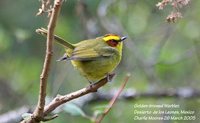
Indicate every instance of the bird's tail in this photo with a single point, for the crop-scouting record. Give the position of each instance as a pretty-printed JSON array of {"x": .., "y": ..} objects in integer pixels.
[{"x": 59, "y": 40}]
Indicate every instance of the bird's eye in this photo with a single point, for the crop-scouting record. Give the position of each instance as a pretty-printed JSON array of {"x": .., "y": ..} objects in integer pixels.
[{"x": 113, "y": 43}]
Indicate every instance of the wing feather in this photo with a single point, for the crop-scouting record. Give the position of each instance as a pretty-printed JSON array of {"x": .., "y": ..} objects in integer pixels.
[{"x": 88, "y": 54}]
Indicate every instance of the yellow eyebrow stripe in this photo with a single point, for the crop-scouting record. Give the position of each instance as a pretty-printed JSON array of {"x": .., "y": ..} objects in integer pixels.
[{"x": 111, "y": 37}]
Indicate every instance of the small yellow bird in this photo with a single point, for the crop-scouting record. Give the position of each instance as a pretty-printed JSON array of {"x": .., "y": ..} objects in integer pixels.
[{"x": 94, "y": 58}]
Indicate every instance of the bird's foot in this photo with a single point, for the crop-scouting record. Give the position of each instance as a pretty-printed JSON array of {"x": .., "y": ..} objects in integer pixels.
[{"x": 91, "y": 85}]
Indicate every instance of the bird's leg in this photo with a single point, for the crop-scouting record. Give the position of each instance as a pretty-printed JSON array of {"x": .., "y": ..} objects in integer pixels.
[
  {"x": 109, "y": 76},
  {"x": 91, "y": 83}
]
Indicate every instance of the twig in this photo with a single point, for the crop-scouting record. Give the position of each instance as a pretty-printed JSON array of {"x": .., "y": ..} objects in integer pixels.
[
  {"x": 61, "y": 99},
  {"x": 99, "y": 119},
  {"x": 45, "y": 7},
  {"x": 176, "y": 5},
  {"x": 43, "y": 31},
  {"x": 38, "y": 113}
]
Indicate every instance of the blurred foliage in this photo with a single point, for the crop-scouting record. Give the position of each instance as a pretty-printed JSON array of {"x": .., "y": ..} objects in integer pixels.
[{"x": 176, "y": 64}]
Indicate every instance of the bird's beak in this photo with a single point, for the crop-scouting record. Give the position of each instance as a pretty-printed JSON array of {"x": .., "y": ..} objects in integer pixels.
[{"x": 123, "y": 38}]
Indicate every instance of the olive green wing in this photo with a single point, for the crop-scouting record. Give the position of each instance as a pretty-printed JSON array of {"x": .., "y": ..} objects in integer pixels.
[{"x": 89, "y": 54}]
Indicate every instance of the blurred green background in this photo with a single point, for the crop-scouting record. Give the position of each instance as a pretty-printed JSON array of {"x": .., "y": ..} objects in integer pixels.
[{"x": 158, "y": 55}]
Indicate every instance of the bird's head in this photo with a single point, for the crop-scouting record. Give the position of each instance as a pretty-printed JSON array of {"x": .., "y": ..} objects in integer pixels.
[{"x": 113, "y": 40}]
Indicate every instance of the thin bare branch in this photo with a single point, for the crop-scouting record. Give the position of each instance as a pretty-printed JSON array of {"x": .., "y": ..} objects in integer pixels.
[
  {"x": 45, "y": 7},
  {"x": 61, "y": 99},
  {"x": 38, "y": 113},
  {"x": 176, "y": 5},
  {"x": 49, "y": 51},
  {"x": 99, "y": 119}
]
